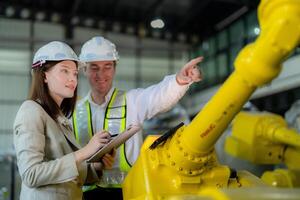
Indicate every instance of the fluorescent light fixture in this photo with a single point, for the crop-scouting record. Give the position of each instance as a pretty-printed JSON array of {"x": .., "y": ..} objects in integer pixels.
[
  {"x": 194, "y": 39},
  {"x": 101, "y": 24},
  {"x": 10, "y": 11},
  {"x": 205, "y": 45},
  {"x": 181, "y": 37},
  {"x": 256, "y": 31},
  {"x": 130, "y": 29},
  {"x": 157, "y": 23},
  {"x": 25, "y": 13},
  {"x": 40, "y": 16},
  {"x": 116, "y": 27},
  {"x": 75, "y": 20},
  {"x": 55, "y": 17},
  {"x": 88, "y": 22}
]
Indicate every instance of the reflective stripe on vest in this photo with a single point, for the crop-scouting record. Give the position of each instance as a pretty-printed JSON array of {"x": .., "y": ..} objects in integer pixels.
[
  {"x": 114, "y": 122},
  {"x": 82, "y": 123}
]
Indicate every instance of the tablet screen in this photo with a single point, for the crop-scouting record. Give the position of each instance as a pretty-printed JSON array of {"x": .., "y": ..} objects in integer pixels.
[{"x": 114, "y": 143}]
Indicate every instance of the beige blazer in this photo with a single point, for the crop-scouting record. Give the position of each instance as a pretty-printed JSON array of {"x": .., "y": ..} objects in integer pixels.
[{"x": 45, "y": 157}]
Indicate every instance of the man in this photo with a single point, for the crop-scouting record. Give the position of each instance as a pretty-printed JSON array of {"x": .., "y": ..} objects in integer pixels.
[{"x": 108, "y": 108}]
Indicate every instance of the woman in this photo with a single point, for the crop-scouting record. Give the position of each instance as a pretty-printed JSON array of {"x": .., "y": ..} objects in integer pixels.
[{"x": 51, "y": 163}]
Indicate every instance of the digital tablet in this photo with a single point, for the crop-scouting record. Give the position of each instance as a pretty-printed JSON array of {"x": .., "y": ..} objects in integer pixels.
[{"x": 114, "y": 143}]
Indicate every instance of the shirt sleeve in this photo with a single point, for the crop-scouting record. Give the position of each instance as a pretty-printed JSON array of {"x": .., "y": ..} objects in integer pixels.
[{"x": 158, "y": 98}]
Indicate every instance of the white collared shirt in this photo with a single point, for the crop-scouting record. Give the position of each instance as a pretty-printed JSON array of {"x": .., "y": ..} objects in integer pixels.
[
  {"x": 142, "y": 104},
  {"x": 98, "y": 111}
]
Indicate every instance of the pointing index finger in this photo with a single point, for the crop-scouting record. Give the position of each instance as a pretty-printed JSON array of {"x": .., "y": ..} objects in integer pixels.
[{"x": 195, "y": 61}]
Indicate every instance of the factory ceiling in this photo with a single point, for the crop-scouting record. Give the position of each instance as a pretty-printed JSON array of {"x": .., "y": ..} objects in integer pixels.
[{"x": 186, "y": 20}]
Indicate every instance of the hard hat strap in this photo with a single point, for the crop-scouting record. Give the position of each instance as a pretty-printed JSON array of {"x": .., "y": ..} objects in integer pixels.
[{"x": 38, "y": 64}]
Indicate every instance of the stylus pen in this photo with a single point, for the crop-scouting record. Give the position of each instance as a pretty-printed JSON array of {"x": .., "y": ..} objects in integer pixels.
[{"x": 114, "y": 135}]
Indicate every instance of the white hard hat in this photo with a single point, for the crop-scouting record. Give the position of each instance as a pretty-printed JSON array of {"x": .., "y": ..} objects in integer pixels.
[
  {"x": 54, "y": 51},
  {"x": 98, "y": 49}
]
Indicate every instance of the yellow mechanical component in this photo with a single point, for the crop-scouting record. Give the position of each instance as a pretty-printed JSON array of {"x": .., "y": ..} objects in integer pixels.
[
  {"x": 264, "y": 138},
  {"x": 153, "y": 178},
  {"x": 265, "y": 193},
  {"x": 260, "y": 138},
  {"x": 214, "y": 193},
  {"x": 186, "y": 162},
  {"x": 292, "y": 158},
  {"x": 282, "y": 178}
]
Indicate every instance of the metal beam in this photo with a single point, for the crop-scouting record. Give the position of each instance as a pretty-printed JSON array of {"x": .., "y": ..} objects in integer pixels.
[
  {"x": 74, "y": 8},
  {"x": 194, "y": 10},
  {"x": 114, "y": 6},
  {"x": 153, "y": 8}
]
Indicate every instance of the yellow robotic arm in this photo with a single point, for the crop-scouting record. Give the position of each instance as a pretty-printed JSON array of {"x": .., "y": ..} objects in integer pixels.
[
  {"x": 264, "y": 138},
  {"x": 186, "y": 162}
]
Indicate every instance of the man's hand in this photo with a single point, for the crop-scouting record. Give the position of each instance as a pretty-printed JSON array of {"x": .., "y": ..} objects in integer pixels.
[
  {"x": 190, "y": 73},
  {"x": 109, "y": 159}
]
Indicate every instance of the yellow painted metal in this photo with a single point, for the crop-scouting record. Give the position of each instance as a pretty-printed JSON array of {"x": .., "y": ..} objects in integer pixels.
[
  {"x": 264, "y": 138},
  {"x": 261, "y": 138},
  {"x": 186, "y": 162},
  {"x": 292, "y": 158},
  {"x": 261, "y": 193},
  {"x": 210, "y": 193},
  {"x": 282, "y": 178},
  {"x": 155, "y": 180}
]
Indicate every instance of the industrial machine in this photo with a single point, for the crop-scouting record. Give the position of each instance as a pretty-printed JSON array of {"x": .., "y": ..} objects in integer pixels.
[
  {"x": 184, "y": 164},
  {"x": 265, "y": 138}
]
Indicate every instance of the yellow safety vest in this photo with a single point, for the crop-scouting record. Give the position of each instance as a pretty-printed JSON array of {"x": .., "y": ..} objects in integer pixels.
[{"x": 114, "y": 122}]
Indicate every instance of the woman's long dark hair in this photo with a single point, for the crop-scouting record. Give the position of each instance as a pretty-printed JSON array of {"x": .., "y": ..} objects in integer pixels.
[{"x": 39, "y": 92}]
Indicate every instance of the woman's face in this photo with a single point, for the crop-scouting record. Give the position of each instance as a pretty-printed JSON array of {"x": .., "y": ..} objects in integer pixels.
[{"x": 62, "y": 80}]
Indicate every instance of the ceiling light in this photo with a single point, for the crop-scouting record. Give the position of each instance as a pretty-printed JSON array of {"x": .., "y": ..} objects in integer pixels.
[
  {"x": 157, "y": 23},
  {"x": 75, "y": 20},
  {"x": 10, "y": 11},
  {"x": 88, "y": 22},
  {"x": 116, "y": 27},
  {"x": 182, "y": 37},
  {"x": 205, "y": 46},
  {"x": 130, "y": 29},
  {"x": 25, "y": 13},
  {"x": 256, "y": 31},
  {"x": 101, "y": 24},
  {"x": 194, "y": 39},
  {"x": 55, "y": 17},
  {"x": 40, "y": 16}
]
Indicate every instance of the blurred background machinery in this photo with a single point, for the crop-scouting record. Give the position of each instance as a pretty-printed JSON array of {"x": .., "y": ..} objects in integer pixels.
[
  {"x": 264, "y": 138},
  {"x": 10, "y": 181},
  {"x": 165, "y": 121}
]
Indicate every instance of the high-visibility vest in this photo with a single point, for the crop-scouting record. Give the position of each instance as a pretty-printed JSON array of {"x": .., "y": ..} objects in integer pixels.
[{"x": 114, "y": 122}]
